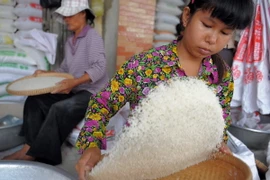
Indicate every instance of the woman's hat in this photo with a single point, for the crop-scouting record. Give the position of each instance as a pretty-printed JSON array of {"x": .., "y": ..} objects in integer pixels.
[{"x": 70, "y": 8}]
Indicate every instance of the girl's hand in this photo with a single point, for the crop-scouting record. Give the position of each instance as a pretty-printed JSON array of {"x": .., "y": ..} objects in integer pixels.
[
  {"x": 64, "y": 87},
  {"x": 87, "y": 161},
  {"x": 225, "y": 149}
]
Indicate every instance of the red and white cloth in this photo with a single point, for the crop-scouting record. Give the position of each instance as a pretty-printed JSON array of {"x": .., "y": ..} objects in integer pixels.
[{"x": 251, "y": 64}]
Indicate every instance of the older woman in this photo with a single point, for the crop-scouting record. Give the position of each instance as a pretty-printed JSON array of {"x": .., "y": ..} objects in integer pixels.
[{"x": 49, "y": 118}]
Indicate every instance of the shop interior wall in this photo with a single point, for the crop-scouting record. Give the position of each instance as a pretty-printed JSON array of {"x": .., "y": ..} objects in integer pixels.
[{"x": 135, "y": 28}]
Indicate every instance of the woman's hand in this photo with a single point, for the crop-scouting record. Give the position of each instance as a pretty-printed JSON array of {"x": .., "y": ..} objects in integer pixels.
[
  {"x": 225, "y": 149},
  {"x": 37, "y": 72},
  {"x": 87, "y": 161},
  {"x": 64, "y": 87}
]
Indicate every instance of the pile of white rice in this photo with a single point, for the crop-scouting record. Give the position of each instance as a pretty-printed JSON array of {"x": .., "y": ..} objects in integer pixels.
[{"x": 179, "y": 124}]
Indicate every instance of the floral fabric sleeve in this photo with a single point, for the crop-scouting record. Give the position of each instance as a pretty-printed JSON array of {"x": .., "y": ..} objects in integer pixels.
[
  {"x": 225, "y": 93},
  {"x": 104, "y": 105}
]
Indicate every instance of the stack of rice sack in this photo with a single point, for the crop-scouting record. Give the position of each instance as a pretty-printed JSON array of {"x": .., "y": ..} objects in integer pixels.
[
  {"x": 16, "y": 16},
  {"x": 29, "y": 14},
  {"x": 7, "y": 18},
  {"x": 30, "y": 17},
  {"x": 167, "y": 17},
  {"x": 14, "y": 64},
  {"x": 178, "y": 125},
  {"x": 9, "y": 57}
]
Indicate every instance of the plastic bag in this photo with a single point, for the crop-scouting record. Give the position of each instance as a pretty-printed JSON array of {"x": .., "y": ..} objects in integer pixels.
[{"x": 241, "y": 151}]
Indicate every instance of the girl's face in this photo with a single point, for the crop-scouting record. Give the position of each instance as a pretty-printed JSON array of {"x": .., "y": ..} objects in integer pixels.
[
  {"x": 75, "y": 22},
  {"x": 203, "y": 34}
]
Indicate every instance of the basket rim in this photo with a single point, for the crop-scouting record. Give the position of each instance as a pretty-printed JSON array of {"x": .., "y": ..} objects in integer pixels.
[
  {"x": 216, "y": 158},
  {"x": 37, "y": 91}
]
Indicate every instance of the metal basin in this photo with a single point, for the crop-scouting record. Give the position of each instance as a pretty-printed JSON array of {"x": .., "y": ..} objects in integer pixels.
[
  {"x": 9, "y": 129},
  {"x": 28, "y": 170},
  {"x": 252, "y": 138}
]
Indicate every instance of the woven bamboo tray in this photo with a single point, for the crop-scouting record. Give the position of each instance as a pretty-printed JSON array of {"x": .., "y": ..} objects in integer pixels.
[
  {"x": 35, "y": 85},
  {"x": 221, "y": 167}
]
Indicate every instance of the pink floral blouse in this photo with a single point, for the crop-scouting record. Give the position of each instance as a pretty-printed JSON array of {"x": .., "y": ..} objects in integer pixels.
[{"x": 133, "y": 81}]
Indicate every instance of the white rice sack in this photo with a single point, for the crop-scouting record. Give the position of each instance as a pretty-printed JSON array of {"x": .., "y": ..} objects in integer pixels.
[
  {"x": 158, "y": 44},
  {"x": 7, "y": 12},
  {"x": 26, "y": 10},
  {"x": 8, "y": 2},
  {"x": 179, "y": 124},
  {"x": 39, "y": 40},
  {"x": 174, "y": 2},
  {"x": 17, "y": 68},
  {"x": 14, "y": 55},
  {"x": 7, "y": 77},
  {"x": 27, "y": 1},
  {"x": 167, "y": 18},
  {"x": 28, "y": 23},
  {"x": 38, "y": 56},
  {"x": 12, "y": 99},
  {"x": 164, "y": 37},
  {"x": 3, "y": 89},
  {"x": 2, "y": 46},
  {"x": 6, "y": 25},
  {"x": 6, "y": 38},
  {"x": 21, "y": 33},
  {"x": 168, "y": 8},
  {"x": 159, "y": 26}
]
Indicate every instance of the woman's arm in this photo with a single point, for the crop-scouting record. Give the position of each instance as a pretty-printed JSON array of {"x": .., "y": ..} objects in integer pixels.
[
  {"x": 66, "y": 85},
  {"x": 96, "y": 56}
]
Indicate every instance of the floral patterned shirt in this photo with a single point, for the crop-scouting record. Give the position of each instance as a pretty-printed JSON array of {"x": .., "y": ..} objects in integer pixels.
[{"x": 133, "y": 81}]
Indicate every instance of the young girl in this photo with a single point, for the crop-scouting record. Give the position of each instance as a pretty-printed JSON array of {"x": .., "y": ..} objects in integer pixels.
[{"x": 207, "y": 26}]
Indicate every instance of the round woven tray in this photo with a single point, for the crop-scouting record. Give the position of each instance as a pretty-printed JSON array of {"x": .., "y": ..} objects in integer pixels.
[
  {"x": 35, "y": 85},
  {"x": 221, "y": 167}
]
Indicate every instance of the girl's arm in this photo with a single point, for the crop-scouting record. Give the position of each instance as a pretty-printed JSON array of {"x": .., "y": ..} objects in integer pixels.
[
  {"x": 225, "y": 97},
  {"x": 103, "y": 106}
]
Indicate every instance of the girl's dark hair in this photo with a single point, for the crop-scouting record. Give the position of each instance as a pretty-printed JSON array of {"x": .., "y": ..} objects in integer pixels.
[
  {"x": 237, "y": 14},
  {"x": 89, "y": 17}
]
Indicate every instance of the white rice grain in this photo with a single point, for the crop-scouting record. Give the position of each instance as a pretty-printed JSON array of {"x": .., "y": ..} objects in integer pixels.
[{"x": 179, "y": 124}]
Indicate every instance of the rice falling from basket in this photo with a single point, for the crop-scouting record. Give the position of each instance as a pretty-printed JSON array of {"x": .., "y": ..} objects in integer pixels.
[{"x": 179, "y": 124}]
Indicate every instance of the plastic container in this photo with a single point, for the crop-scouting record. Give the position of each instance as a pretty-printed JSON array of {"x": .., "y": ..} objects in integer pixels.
[{"x": 10, "y": 127}]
